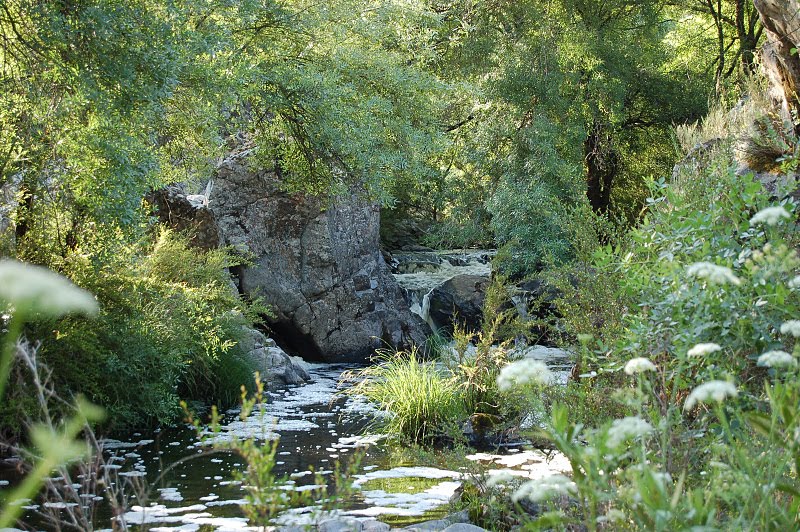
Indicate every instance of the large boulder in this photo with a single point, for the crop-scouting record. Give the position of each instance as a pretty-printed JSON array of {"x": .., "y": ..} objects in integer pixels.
[
  {"x": 315, "y": 261},
  {"x": 459, "y": 300},
  {"x": 183, "y": 212}
]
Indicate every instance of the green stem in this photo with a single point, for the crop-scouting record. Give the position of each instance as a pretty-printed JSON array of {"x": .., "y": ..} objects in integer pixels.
[{"x": 29, "y": 487}]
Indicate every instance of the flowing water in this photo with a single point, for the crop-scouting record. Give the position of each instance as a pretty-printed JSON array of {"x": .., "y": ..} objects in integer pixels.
[
  {"x": 419, "y": 273},
  {"x": 189, "y": 489}
]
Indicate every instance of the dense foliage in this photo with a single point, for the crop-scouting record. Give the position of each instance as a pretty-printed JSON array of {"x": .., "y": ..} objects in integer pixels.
[
  {"x": 103, "y": 101},
  {"x": 545, "y": 128}
]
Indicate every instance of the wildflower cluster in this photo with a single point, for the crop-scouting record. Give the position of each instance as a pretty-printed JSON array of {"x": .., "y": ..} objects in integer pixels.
[
  {"x": 716, "y": 391},
  {"x": 639, "y": 365},
  {"x": 25, "y": 287},
  {"x": 545, "y": 488},
  {"x": 523, "y": 372},
  {"x": 770, "y": 216},
  {"x": 776, "y": 359},
  {"x": 626, "y": 429},
  {"x": 712, "y": 273},
  {"x": 791, "y": 327},
  {"x": 703, "y": 349}
]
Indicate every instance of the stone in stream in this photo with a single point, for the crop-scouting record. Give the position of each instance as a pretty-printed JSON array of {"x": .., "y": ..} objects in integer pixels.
[
  {"x": 459, "y": 300},
  {"x": 464, "y": 527},
  {"x": 415, "y": 262},
  {"x": 340, "y": 525},
  {"x": 271, "y": 360},
  {"x": 315, "y": 261},
  {"x": 374, "y": 526},
  {"x": 453, "y": 522}
]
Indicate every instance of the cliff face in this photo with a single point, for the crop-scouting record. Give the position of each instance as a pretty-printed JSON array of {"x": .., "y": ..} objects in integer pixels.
[
  {"x": 780, "y": 56},
  {"x": 318, "y": 265}
]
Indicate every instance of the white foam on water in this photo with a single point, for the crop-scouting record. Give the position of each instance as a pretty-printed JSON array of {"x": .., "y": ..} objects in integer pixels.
[
  {"x": 405, "y": 472},
  {"x": 530, "y": 464},
  {"x": 132, "y": 474},
  {"x": 231, "y": 502},
  {"x": 158, "y": 513},
  {"x": 108, "y": 444},
  {"x": 170, "y": 494},
  {"x": 60, "y": 505}
]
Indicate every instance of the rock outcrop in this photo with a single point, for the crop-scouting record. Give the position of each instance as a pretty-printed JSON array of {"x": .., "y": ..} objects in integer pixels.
[
  {"x": 317, "y": 263},
  {"x": 183, "y": 214}
]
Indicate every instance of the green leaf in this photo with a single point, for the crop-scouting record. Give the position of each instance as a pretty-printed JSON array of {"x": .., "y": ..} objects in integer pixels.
[
  {"x": 788, "y": 488},
  {"x": 761, "y": 423}
]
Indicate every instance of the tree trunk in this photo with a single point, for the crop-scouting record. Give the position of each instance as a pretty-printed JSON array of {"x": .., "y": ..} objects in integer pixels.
[
  {"x": 601, "y": 167},
  {"x": 748, "y": 33},
  {"x": 781, "y": 19}
]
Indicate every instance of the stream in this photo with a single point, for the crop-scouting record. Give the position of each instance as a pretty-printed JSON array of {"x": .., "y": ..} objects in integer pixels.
[
  {"x": 184, "y": 486},
  {"x": 189, "y": 489}
]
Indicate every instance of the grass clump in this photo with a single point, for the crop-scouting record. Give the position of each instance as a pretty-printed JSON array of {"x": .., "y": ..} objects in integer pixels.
[{"x": 421, "y": 400}]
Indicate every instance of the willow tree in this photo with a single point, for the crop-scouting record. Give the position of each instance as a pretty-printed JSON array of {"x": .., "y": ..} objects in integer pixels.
[
  {"x": 103, "y": 100},
  {"x": 573, "y": 104}
]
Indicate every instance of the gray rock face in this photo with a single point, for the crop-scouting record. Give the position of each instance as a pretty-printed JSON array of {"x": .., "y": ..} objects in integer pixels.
[
  {"x": 459, "y": 300},
  {"x": 317, "y": 264}
]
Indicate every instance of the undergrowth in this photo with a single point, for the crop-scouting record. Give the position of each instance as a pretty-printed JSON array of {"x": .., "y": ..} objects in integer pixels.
[{"x": 167, "y": 328}]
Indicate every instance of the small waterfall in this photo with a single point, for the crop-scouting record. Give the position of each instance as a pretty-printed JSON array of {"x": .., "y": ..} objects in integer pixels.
[
  {"x": 420, "y": 273},
  {"x": 425, "y": 311}
]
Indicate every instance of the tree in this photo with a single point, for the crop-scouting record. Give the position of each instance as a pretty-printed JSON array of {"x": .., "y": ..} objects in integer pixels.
[
  {"x": 576, "y": 100},
  {"x": 782, "y": 21},
  {"x": 737, "y": 32}
]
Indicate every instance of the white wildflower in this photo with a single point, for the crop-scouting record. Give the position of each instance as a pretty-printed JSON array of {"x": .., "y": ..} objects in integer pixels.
[
  {"x": 499, "y": 478},
  {"x": 710, "y": 391},
  {"x": 791, "y": 327},
  {"x": 627, "y": 428},
  {"x": 34, "y": 289},
  {"x": 795, "y": 282},
  {"x": 639, "y": 365},
  {"x": 662, "y": 478},
  {"x": 703, "y": 349},
  {"x": 712, "y": 273},
  {"x": 770, "y": 216},
  {"x": 545, "y": 488},
  {"x": 612, "y": 516},
  {"x": 522, "y": 372},
  {"x": 776, "y": 359}
]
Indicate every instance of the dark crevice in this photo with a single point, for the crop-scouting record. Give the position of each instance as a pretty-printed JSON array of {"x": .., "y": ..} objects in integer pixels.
[{"x": 294, "y": 342}]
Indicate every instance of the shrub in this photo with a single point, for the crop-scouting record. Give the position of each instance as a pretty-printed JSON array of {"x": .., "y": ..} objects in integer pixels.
[
  {"x": 705, "y": 365},
  {"x": 167, "y": 328}
]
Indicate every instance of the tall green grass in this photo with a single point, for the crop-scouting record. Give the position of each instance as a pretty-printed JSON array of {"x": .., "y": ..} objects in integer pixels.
[{"x": 421, "y": 400}]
